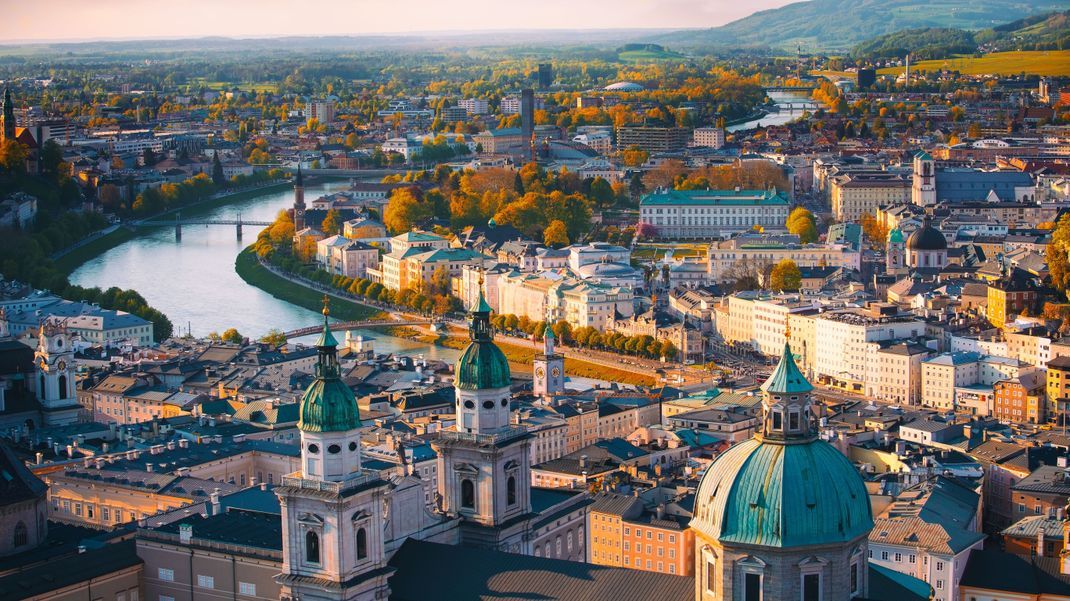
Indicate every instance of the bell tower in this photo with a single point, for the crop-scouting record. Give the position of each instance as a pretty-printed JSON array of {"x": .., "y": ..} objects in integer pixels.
[
  {"x": 54, "y": 362},
  {"x": 923, "y": 186},
  {"x": 332, "y": 510},
  {"x": 299, "y": 201},
  {"x": 484, "y": 473},
  {"x": 549, "y": 368}
]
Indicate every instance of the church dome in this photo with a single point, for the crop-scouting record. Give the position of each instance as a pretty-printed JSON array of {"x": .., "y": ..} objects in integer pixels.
[
  {"x": 785, "y": 487},
  {"x": 482, "y": 365},
  {"x": 328, "y": 405},
  {"x": 782, "y": 495},
  {"x": 927, "y": 238}
]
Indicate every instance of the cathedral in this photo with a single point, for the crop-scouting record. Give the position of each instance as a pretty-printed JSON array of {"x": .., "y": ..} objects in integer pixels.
[{"x": 781, "y": 516}]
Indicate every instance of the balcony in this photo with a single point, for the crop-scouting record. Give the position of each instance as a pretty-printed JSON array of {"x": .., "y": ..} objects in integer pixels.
[
  {"x": 354, "y": 480},
  {"x": 497, "y": 438}
]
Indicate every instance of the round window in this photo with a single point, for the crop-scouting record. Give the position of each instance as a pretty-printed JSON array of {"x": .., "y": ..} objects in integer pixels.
[
  {"x": 313, "y": 448},
  {"x": 488, "y": 404},
  {"x": 352, "y": 446},
  {"x": 469, "y": 405},
  {"x": 505, "y": 402},
  {"x": 334, "y": 449}
]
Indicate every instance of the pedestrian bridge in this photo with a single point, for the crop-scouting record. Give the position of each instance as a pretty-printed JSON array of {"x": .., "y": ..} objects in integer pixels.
[{"x": 355, "y": 325}]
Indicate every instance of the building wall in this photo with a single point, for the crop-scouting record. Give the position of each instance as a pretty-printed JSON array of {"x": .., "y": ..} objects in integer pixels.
[
  {"x": 172, "y": 570},
  {"x": 121, "y": 585}
]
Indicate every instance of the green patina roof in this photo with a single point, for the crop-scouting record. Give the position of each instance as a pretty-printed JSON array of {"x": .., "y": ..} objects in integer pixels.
[
  {"x": 482, "y": 366},
  {"x": 787, "y": 378},
  {"x": 782, "y": 495},
  {"x": 328, "y": 404},
  {"x": 716, "y": 197},
  {"x": 896, "y": 236}
]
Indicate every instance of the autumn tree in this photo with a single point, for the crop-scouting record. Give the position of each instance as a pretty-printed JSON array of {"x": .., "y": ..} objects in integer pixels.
[
  {"x": 275, "y": 337},
  {"x": 332, "y": 223},
  {"x": 556, "y": 234},
  {"x": 801, "y": 222},
  {"x": 785, "y": 276},
  {"x": 232, "y": 336},
  {"x": 1057, "y": 253},
  {"x": 874, "y": 230},
  {"x": 405, "y": 209},
  {"x": 12, "y": 155},
  {"x": 634, "y": 156}
]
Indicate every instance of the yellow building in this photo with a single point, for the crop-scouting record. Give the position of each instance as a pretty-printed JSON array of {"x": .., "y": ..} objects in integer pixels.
[
  {"x": 859, "y": 194},
  {"x": 1058, "y": 386}
]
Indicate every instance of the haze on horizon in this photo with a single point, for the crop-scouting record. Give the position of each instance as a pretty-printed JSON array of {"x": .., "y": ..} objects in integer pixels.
[{"x": 78, "y": 20}]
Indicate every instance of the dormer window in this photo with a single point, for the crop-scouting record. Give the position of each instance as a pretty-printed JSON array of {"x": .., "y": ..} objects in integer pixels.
[
  {"x": 778, "y": 419},
  {"x": 793, "y": 421}
]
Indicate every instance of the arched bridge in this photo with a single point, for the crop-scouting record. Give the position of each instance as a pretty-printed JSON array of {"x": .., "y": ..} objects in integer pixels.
[
  {"x": 790, "y": 88},
  {"x": 353, "y": 325}
]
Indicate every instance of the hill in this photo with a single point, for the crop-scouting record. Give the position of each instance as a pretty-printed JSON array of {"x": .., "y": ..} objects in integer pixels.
[
  {"x": 840, "y": 24},
  {"x": 1040, "y": 32}
]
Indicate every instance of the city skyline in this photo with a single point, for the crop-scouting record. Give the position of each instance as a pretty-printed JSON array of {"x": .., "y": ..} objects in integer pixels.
[{"x": 124, "y": 19}]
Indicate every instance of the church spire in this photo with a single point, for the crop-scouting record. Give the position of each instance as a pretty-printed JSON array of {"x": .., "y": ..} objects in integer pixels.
[
  {"x": 786, "y": 414},
  {"x": 9, "y": 117}
]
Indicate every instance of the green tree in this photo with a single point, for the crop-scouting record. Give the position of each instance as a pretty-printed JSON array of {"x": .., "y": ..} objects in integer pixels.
[
  {"x": 12, "y": 155},
  {"x": 275, "y": 337},
  {"x": 785, "y": 276},
  {"x": 602, "y": 192},
  {"x": 218, "y": 177},
  {"x": 51, "y": 157},
  {"x": 556, "y": 234}
]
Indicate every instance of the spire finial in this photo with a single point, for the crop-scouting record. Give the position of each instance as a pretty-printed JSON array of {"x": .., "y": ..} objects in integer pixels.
[
  {"x": 326, "y": 305},
  {"x": 787, "y": 330}
]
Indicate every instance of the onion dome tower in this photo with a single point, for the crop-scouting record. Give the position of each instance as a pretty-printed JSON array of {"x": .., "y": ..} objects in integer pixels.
[{"x": 784, "y": 515}]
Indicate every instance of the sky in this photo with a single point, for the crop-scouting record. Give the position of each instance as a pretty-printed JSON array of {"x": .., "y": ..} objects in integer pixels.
[{"x": 51, "y": 20}]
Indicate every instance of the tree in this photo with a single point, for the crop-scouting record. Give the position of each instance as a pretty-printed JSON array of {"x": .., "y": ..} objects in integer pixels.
[
  {"x": 218, "y": 177},
  {"x": 109, "y": 197},
  {"x": 801, "y": 222},
  {"x": 12, "y": 155},
  {"x": 275, "y": 337},
  {"x": 1057, "y": 253},
  {"x": 332, "y": 223},
  {"x": 404, "y": 210},
  {"x": 602, "y": 192},
  {"x": 51, "y": 157},
  {"x": 634, "y": 156},
  {"x": 785, "y": 276},
  {"x": 556, "y": 234},
  {"x": 440, "y": 280},
  {"x": 874, "y": 230},
  {"x": 232, "y": 336}
]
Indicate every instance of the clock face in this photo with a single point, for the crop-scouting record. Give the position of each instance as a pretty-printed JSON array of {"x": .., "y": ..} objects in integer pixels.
[
  {"x": 540, "y": 372},
  {"x": 62, "y": 365},
  {"x": 556, "y": 372}
]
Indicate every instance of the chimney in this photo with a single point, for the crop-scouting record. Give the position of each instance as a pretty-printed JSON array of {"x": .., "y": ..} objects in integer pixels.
[
  {"x": 183, "y": 443},
  {"x": 40, "y": 458},
  {"x": 148, "y": 467},
  {"x": 70, "y": 450},
  {"x": 1061, "y": 461},
  {"x": 661, "y": 511},
  {"x": 1040, "y": 542},
  {"x": 170, "y": 445},
  {"x": 583, "y": 461},
  {"x": 263, "y": 486},
  {"x": 216, "y": 510},
  {"x": 185, "y": 533}
]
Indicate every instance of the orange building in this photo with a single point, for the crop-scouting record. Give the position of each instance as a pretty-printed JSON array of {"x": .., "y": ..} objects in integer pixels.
[
  {"x": 623, "y": 532},
  {"x": 1021, "y": 399}
]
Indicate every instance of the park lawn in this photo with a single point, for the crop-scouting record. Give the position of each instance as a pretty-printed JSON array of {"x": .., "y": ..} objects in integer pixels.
[
  {"x": 1036, "y": 62},
  {"x": 255, "y": 274}
]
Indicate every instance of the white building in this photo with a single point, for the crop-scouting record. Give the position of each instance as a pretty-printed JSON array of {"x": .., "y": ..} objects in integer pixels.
[
  {"x": 703, "y": 214},
  {"x": 708, "y": 137},
  {"x": 842, "y": 354},
  {"x": 475, "y": 106}
]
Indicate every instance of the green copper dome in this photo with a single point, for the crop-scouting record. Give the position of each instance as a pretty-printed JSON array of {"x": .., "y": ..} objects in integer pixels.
[
  {"x": 782, "y": 495},
  {"x": 328, "y": 405},
  {"x": 896, "y": 236},
  {"x": 482, "y": 365},
  {"x": 786, "y": 378}
]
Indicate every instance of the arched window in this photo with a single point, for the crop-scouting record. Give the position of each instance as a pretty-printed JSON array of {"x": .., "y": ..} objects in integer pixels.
[
  {"x": 41, "y": 390},
  {"x": 362, "y": 543},
  {"x": 468, "y": 494},
  {"x": 312, "y": 547},
  {"x": 510, "y": 490},
  {"x": 22, "y": 536},
  {"x": 62, "y": 386}
]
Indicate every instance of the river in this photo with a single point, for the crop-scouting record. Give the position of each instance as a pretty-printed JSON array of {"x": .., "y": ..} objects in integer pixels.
[{"x": 783, "y": 99}]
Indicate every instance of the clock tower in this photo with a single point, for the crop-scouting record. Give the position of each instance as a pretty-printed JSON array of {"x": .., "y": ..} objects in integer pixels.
[
  {"x": 54, "y": 366},
  {"x": 549, "y": 368}
]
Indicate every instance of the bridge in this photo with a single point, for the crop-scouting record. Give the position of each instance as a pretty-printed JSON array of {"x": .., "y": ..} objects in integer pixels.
[
  {"x": 355, "y": 325},
  {"x": 178, "y": 222}
]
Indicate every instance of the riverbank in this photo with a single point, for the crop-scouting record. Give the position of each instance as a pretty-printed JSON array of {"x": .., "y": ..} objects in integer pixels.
[
  {"x": 521, "y": 358},
  {"x": 253, "y": 273},
  {"x": 75, "y": 257}
]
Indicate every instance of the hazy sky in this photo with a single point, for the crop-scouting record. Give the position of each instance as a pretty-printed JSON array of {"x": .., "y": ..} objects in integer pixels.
[{"x": 95, "y": 19}]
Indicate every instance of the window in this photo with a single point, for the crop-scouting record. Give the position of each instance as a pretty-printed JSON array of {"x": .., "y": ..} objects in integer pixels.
[
  {"x": 855, "y": 584},
  {"x": 778, "y": 420},
  {"x": 811, "y": 586},
  {"x": 105, "y": 514},
  {"x": 752, "y": 587},
  {"x": 312, "y": 547},
  {"x": 898, "y": 557},
  {"x": 205, "y": 581},
  {"x": 884, "y": 555},
  {"x": 166, "y": 598},
  {"x": 468, "y": 494},
  {"x": 939, "y": 584},
  {"x": 510, "y": 490},
  {"x": 912, "y": 558},
  {"x": 793, "y": 420},
  {"x": 939, "y": 566},
  {"x": 362, "y": 543},
  {"x": 247, "y": 588},
  {"x": 166, "y": 574},
  {"x": 22, "y": 536},
  {"x": 627, "y": 546}
]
